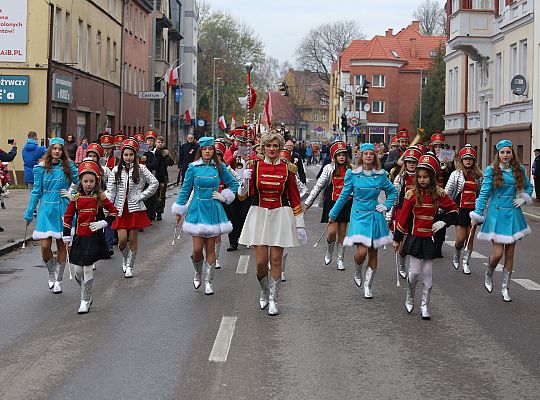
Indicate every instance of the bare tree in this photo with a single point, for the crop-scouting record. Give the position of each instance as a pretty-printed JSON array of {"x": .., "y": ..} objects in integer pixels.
[
  {"x": 432, "y": 18},
  {"x": 321, "y": 46},
  {"x": 204, "y": 11}
]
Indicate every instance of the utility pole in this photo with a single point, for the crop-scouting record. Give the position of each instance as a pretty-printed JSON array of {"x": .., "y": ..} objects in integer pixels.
[
  {"x": 214, "y": 96},
  {"x": 153, "y": 67},
  {"x": 217, "y": 103},
  {"x": 421, "y": 90}
]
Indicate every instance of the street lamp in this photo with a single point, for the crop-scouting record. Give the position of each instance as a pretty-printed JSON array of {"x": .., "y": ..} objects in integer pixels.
[
  {"x": 217, "y": 101},
  {"x": 214, "y": 95}
]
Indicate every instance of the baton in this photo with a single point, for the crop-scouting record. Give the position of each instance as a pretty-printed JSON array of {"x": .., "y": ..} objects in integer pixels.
[
  {"x": 317, "y": 242},
  {"x": 471, "y": 234},
  {"x": 397, "y": 270},
  {"x": 174, "y": 234},
  {"x": 68, "y": 263},
  {"x": 24, "y": 241}
]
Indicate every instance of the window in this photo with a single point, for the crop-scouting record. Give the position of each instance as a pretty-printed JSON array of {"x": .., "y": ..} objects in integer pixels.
[
  {"x": 377, "y": 107},
  {"x": 359, "y": 80},
  {"x": 57, "y": 121},
  {"x": 378, "y": 81},
  {"x": 129, "y": 79},
  {"x": 135, "y": 81},
  {"x": 316, "y": 116},
  {"x": 471, "y": 88},
  {"x": 108, "y": 59},
  {"x": 124, "y": 78},
  {"x": 324, "y": 117},
  {"x": 360, "y": 103},
  {"x": 98, "y": 54},
  {"x": 89, "y": 49},
  {"x": 523, "y": 57},
  {"x": 434, "y": 53},
  {"x": 114, "y": 59},
  {"x": 57, "y": 34},
  {"x": 513, "y": 67},
  {"x": 80, "y": 44},
  {"x": 376, "y": 134},
  {"x": 394, "y": 53},
  {"x": 82, "y": 119},
  {"x": 67, "y": 43},
  {"x": 498, "y": 79}
]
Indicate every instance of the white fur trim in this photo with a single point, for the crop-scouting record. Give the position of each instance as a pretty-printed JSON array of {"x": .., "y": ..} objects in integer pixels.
[
  {"x": 478, "y": 218},
  {"x": 367, "y": 241},
  {"x": 358, "y": 170},
  {"x": 178, "y": 209},
  {"x": 299, "y": 219},
  {"x": 229, "y": 195},
  {"x": 504, "y": 239},
  {"x": 206, "y": 230},
  {"x": 527, "y": 198},
  {"x": 41, "y": 163},
  {"x": 45, "y": 235}
]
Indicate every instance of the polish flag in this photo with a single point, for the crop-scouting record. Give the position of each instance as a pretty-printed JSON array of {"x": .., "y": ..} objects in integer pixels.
[
  {"x": 233, "y": 121},
  {"x": 188, "y": 116},
  {"x": 222, "y": 123},
  {"x": 268, "y": 111},
  {"x": 171, "y": 76}
]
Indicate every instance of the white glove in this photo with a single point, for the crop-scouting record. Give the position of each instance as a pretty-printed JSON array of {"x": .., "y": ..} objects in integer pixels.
[
  {"x": 302, "y": 235},
  {"x": 65, "y": 193},
  {"x": 66, "y": 239},
  {"x": 247, "y": 173},
  {"x": 518, "y": 202},
  {"x": 437, "y": 226},
  {"x": 381, "y": 208},
  {"x": 94, "y": 226},
  {"x": 218, "y": 196}
]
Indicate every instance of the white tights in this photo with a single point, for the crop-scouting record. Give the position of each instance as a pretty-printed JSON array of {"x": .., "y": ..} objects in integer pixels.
[
  {"x": 83, "y": 273},
  {"x": 421, "y": 267}
]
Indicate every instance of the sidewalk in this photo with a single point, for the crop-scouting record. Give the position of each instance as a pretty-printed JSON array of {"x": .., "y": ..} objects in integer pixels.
[{"x": 11, "y": 219}]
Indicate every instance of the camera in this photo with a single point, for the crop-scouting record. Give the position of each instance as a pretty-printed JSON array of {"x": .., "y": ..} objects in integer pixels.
[{"x": 11, "y": 141}]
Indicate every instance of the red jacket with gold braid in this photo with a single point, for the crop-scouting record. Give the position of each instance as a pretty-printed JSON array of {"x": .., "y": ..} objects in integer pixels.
[
  {"x": 273, "y": 186},
  {"x": 417, "y": 219},
  {"x": 111, "y": 162},
  {"x": 87, "y": 208}
]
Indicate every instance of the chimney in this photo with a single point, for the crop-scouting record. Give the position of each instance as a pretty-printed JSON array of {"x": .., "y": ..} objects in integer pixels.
[
  {"x": 413, "y": 47},
  {"x": 389, "y": 32},
  {"x": 416, "y": 25}
]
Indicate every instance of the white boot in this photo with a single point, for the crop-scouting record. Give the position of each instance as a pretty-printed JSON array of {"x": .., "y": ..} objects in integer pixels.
[
  {"x": 283, "y": 264},
  {"x": 368, "y": 283},
  {"x": 197, "y": 266},
  {"x": 130, "y": 264},
  {"x": 125, "y": 254},
  {"x": 340, "y": 257},
  {"x": 273, "y": 308},
  {"x": 329, "y": 252},
  {"x": 59, "y": 276},
  {"x": 218, "y": 248},
  {"x": 51, "y": 267},
  {"x": 466, "y": 259},
  {"x": 457, "y": 257},
  {"x": 208, "y": 278},
  {"x": 265, "y": 292}
]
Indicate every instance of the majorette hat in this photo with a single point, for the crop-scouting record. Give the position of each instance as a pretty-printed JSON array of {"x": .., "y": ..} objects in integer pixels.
[
  {"x": 95, "y": 148},
  {"x": 130, "y": 144},
  {"x": 240, "y": 134},
  {"x": 412, "y": 153},
  {"x": 220, "y": 146},
  {"x": 139, "y": 137},
  {"x": 403, "y": 134},
  {"x": 394, "y": 139},
  {"x": 467, "y": 152},
  {"x": 89, "y": 166},
  {"x": 429, "y": 161},
  {"x": 119, "y": 138},
  {"x": 285, "y": 154},
  {"x": 337, "y": 147},
  {"x": 437, "y": 137},
  {"x": 423, "y": 148},
  {"x": 107, "y": 140},
  {"x": 150, "y": 134}
]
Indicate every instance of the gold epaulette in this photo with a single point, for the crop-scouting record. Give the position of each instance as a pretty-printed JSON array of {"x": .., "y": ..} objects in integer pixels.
[
  {"x": 74, "y": 197},
  {"x": 292, "y": 168},
  {"x": 409, "y": 193}
]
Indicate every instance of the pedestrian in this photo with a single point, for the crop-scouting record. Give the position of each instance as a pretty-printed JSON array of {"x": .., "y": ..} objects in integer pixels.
[
  {"x": 536, "y": 174},
  {"x": 507, "y": 188},
  {"x": 296, "y": 159},
  {"x": 52, "y": 178},
  {"x": 164, "y": 175},
  {"x": 31, "y": 154},
  {"x": 186, "y": 155},
  {"x": 88, "y": 244},
  {"x": 331, "y": 184},
  {"x": 275, "y": 220},
  {"x": 309, "y": 154},
  {"x": 417, "y": 222},
  {"x": 81, "y": 151},
  {"x": 368, "y": 229},
  {"x": 403, "y": 182},
  {"x": 71, "y": 146},
  {"x": 394, "y": 162},
  {"x": 205, "y": 218},
  {"x": 156, "y": 164},
  {"x": 463, "y": 187},
  {"x": 126, "y": 189}
]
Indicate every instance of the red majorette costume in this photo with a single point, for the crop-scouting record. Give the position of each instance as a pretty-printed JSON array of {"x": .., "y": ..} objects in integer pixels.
[
  {"x": 107, "y": 142},
  {"x": 331, "y": 184},
  {"x": 417, "y": 222},
  {"x": 88, "y": 244}
]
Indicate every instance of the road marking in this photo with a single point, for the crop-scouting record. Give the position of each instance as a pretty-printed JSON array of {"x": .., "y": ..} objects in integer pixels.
[
  {"x": 527, "y": 284},
  {"x": 474, "y": 254},
  {"x": 243, "y": 263},
  {"x": 221, "y": 347}
]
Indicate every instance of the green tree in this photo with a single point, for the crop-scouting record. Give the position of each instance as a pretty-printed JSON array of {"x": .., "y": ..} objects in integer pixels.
[{"x": 433, "y": 97}]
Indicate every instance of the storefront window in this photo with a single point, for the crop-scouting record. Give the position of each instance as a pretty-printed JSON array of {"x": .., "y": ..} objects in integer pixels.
[
  {"x": 57, "y": 122},
  {"x": 109, "y": 123},
  {"x": 82, "y": 123},
  {"x": 376, "y": 134}
]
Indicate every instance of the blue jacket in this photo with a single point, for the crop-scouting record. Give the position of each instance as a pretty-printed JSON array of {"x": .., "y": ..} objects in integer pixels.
[{"x": 31, "y": 153}]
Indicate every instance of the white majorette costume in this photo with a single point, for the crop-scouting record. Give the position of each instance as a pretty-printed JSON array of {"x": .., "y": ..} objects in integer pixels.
[
  {"x": 504, "y": 223},
  {"x": 88, "y": 244},
  {"x": 275, "y": 219},
  {"x": 50, "y": 189},
  {"x": 463, "y": 187},
  {"x": 417, "y": 222},
  {"x": 331, "y": 183},
  {"x": 127, "y": 192},
  {"x": 404, "y": 181},
  {"x": 368, "y": 225},
  {"x": 205, "y": 216}
]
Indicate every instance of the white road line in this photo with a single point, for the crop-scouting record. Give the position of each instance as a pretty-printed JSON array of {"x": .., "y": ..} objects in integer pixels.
[
  {"x": 527, "y": 284},
  {"x": 243, "y": 263},
  {"x": 474, "y": 253},
  {"x": 220, "y": 350}
]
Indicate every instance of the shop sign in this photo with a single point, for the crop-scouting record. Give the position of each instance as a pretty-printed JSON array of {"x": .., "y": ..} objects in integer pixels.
[
  {"x": 518, "y": 85},
  {"x": 13, "y": 30},
  {"x": 62, "y": 89},
  {"x": 14, "y": 89}
]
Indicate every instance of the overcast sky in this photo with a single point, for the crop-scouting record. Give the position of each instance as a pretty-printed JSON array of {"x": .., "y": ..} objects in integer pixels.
[{"x": 281, "y": 24}]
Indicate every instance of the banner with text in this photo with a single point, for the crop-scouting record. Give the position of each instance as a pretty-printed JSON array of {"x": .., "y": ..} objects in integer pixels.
[{"x": 13, "y": 30}]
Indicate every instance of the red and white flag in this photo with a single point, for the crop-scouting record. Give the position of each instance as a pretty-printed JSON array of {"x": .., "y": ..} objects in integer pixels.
[
  {"x": 268, "y": 111},
  {"x": 171, "y": 76},
  {"x": 233, "y": 121},
  {"x": 222, "y": 123},
  {"x": 188, "y": 116}
]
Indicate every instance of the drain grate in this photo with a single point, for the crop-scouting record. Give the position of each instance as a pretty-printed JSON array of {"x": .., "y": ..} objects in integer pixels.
[{"x": 9, "y": 271}]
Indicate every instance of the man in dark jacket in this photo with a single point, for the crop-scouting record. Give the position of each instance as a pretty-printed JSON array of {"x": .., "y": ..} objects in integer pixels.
[
  {"x": 155, "y": 164},
  {"x": 393, "y": 159},
  {"x": 7, "y": 157},
  {"x": 296, "y": 160},
  {"x": 536, "y": 173},
  {"x": 31, "y": 153},
  {"x": 71, "y": 147},
  {"x": 186, "y": 155},
  {"x": 162, "y": 175}
]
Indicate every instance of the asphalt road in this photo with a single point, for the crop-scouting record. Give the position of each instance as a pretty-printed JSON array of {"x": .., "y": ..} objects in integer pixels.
[{"x": 151, "y": 337}]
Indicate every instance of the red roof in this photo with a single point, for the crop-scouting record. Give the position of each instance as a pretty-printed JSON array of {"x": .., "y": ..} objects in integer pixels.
[{"x": 282, "y": 108}]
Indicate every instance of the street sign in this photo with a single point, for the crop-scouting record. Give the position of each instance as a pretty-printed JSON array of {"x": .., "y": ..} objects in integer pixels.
[
  {"x": 518, "y": 85},
  {"x": 354, "y": 121},
  {"x": 356, "y": 130},
  {"x": 200, "y": 122},
  {"x": 151, "y": 95}
]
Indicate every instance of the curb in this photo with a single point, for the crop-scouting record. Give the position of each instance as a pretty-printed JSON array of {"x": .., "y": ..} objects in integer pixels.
[
  {"x": 7, "y": 248},
  {"x": 530, "y": 215}
]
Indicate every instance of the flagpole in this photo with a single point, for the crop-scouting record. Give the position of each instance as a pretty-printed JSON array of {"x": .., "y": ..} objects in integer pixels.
[{"x": 153, "y": 64}]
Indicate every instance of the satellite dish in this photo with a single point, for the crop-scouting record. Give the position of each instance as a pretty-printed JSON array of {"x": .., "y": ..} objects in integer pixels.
[{"x": 367, "y": 107}]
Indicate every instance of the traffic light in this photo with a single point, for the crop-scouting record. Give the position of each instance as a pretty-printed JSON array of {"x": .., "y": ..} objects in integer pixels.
[
  {"x": 283, "y": 89},
  {"x": 344, "y": 123},
  {"x": 365, "y": 87}
]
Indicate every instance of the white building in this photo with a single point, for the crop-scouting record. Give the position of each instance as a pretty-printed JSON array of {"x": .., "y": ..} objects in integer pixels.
[
  {"x": 188, "y": 56},
  {"x": 490, "y": 43}
]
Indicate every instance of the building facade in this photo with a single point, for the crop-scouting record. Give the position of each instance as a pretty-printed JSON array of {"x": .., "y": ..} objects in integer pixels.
[
  {"x": 489, "y": 47},
  {"x": 189, "y": 51}
]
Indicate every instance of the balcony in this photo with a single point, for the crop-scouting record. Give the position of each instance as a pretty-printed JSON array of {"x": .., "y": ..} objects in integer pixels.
[{"x": 471, "y": 29}]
